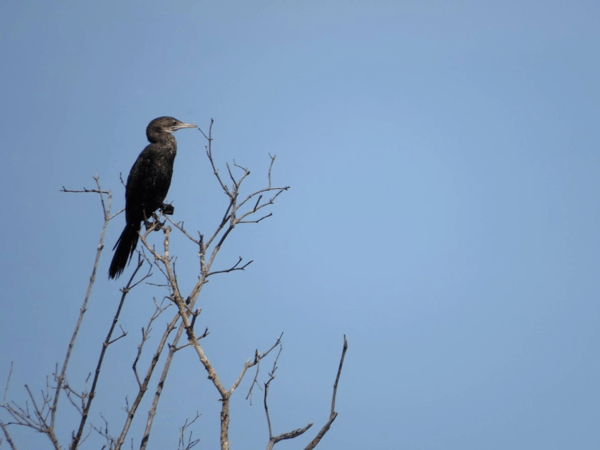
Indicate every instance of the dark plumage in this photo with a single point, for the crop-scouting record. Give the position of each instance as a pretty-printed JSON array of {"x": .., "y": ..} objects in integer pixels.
[{"x": 147, "y": 186}]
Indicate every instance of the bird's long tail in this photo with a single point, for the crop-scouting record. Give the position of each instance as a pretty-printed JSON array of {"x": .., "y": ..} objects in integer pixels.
[{"x": 125, "y": 247}]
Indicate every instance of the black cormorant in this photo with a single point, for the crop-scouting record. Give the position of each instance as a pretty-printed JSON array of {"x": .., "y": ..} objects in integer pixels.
[{"x": 147, "y": 186}]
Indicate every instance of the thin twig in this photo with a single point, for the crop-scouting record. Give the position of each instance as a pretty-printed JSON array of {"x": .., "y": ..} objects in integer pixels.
[
  {"x": 333, "y": 414},
  {"x": 8, "y": 381},
  {"x": 191, "y": 443},
  {"x": 106, "y": 213}
]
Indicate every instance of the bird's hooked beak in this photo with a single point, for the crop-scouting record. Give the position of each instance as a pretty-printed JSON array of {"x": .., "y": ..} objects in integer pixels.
[{"x": 181, "y": 125}]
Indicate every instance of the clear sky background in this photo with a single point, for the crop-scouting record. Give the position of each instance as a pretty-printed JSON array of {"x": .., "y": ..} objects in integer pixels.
[{"x": 443, "y": 158}]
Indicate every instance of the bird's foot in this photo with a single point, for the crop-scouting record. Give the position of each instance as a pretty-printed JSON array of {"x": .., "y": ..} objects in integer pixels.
[
  {"x": 156, "y": 225},
  {"x": 167, "y": 209}
]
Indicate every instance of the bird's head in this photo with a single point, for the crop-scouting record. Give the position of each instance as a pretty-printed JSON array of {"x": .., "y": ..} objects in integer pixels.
[{"x": 166, "y": 125}]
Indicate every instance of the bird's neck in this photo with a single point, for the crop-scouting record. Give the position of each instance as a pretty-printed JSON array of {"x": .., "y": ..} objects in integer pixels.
[{"x": 162, "y": 138}]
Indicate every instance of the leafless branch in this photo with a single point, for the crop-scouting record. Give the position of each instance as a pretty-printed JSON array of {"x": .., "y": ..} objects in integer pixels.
[
  {"x": 106, "y": 213},
  {"x": 8, "y": 381},
  {"x": 333, "y": 413},
  {"x": 271, "y": 167},
  {"x": 266, "y": 396},
  {"x": 289, "y": 435},
  {"x": 107, "y": 342},
  {"x": 8, "y": 436},
  {"x": 234, "y": 267},
  {"x": 191, "y": 443},
  {"x": 104, "y": 432},
  {"x": 45, "y": 412},
  {"x": 84, "y": 191},
  {"x": 180, "y": 227},
  {"x": 144, "y": 385},
  {"x": 210, "y": 158},
  {"x": 159, "y": 309},
  {"x": 257, "y": 358}
]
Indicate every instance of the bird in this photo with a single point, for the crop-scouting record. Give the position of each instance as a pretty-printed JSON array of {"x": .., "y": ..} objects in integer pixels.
[{"x": 147, "y": 186}]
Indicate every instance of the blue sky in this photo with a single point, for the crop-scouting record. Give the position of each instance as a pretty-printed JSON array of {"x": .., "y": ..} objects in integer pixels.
[{"x": 443, "y": 159}]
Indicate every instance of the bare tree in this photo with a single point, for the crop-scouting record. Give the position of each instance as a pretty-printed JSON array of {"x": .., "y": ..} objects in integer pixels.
[{"x": 39, "y": 413}]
